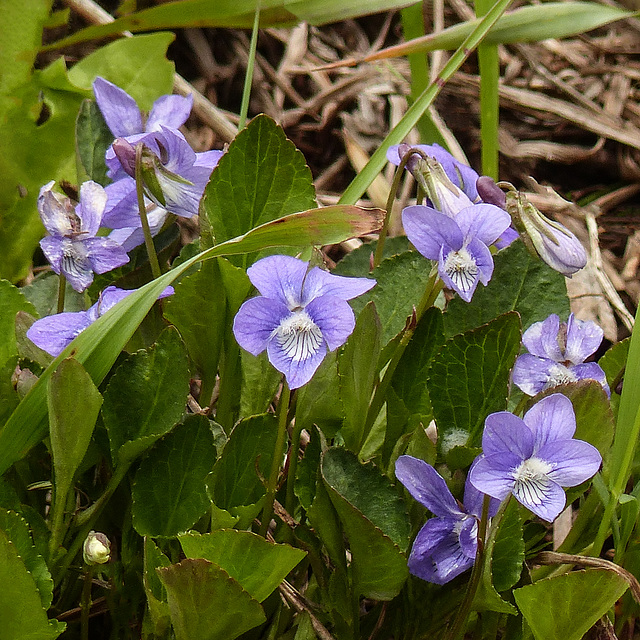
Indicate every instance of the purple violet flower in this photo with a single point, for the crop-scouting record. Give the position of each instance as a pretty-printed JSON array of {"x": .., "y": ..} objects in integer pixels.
[
  {"x": 300, "y": 315},
  {"x": 125, "y": 120},
  {"x": 534, "y": 457},
  {"x": 72, "y": 247},
  {"x": 174, "y": 175},
  {"x": 557, "y": 354},
  {"x": 462, "y": 175},
  {"x": 446, "y": 545},
  {"x": 54, "y": 333},
  {"x": 460, "y": 244}
]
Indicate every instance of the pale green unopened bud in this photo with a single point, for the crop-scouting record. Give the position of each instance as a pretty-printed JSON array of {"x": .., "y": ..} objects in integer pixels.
[
  {"x": 548, "y": 239},
  {"x": 446, "y": 197},
  {"x": 96, "y": 548}
]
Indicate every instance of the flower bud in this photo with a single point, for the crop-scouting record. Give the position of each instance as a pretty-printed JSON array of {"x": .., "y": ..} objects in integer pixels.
[
  {"x": 126, "y": 154},
  {"x": 548, "y": 239},
  {"x": 490, "y": 192},
  {"x": 96, "y": 548}
]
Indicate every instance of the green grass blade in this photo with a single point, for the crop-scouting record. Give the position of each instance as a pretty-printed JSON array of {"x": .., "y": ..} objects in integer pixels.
[
  {"x": 362, "y": 181},
  {"x": 98, "y": 346},
  {"x": 527, "y": 24}
]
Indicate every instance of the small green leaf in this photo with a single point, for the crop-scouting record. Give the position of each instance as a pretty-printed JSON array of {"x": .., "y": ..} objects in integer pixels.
[
  {"x": 508, "y": 551},
  {"x": 235, "y": 481},
  {"x": 17, "y": 531},
  {"x": 375, "y": 522},
  {"x": 260, "y": 381},
  {"x": 206, "y": 603},
  {"x": 21, "y": 611},
  {"x": 198, "y": 310},
  {"x": 519, "y": 283},
  {"x": 160, "y": 618},
  {"x": 147, "y": 394},
  {"x": 260, "y": 178},
  {"x": 169, "y": 493},
  {"x": 258, "y": 566},
  {"x": 93, "y": 138},
  {"x": 469, "y": 379},
  {"x": 74, "y": 404},
  {"x": 138, "y": 65},
  {"x": 565, "y": 607},
  {"x": 358, "y": 368},
  {"x": 410, "y": 377},
  {"x": 11, "y": 301},
  {"x": 614, "y": 361}
]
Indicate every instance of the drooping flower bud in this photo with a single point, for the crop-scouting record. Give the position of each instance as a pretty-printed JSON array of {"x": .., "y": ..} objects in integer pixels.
[
  {"x": 490, "y": 192},
  {"x": 546, "y": 238},
  {"x": 126, "y": 154},
  {"x": 96, "y": 548}
]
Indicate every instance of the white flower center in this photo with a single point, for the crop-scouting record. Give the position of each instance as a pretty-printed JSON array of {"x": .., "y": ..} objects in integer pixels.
[
  {"x": 461, "y": 268},
  {"x": 74, "y": 259},
  {"x": 299, "y": 336},
  {"x": 532, "y": 481},
  {"x": 559, "y": 374}
]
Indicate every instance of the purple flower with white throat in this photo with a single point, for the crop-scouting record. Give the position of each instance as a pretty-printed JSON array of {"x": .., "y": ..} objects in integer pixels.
[
  {"x": 174, "y": 176},
  {"x": 54, "y": 334},
  {"x": 460, "y": 244},
  {"x": 446, "y": 545},
  {"x": 72, "y": 247},
  {"x": 300, "y": 315},
  {"x": 557, "y": 354},
  {"x": 533, "y": 458}
]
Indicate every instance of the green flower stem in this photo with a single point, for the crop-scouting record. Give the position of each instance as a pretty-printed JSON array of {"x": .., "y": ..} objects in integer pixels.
[
  {"x": 272, "y": 482},
  {"x": 433, "y": 288},
  {"x": 395, "y": 185},
  {"x": 85, "y": 603},
  {"x": 148, "y": 240},
  {"x": 248, "y": 78},
  {"x": 486, "y": 543},
  {"x": 293, "y": 468},
  {"x": 88, "y": 515},
  {"x": 62, "y": 286}
]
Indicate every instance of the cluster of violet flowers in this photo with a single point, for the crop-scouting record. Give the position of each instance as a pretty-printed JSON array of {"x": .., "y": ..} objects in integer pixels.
[
  {"x": 530, "y": 458},
  {"x": 173, "y": 177}
]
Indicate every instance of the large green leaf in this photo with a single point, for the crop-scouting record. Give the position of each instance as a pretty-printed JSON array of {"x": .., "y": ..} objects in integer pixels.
[
  {"x": 519, "y": 283},
  {"x": 469, "y": 378},
  {"x": 146, "y": 395},
  {"x": 401, "y": 282},
  {"x": 234, "y": 14},
  {"x": 22, "y": 614},
  {"x": 249, "y": 450},
  {"x": 260, "y": 178},
  {"x": 138, "y": 65},
  {"x": 565, "y": 607},
  {"x": 206, "y": 603},
  {"x": 99, "y": 345},
  {"x": 358, "y": 368},
  {"x": 508, "y": 551},
  {"x": 93, "y": 138},
  {"x": 258, "y": 565},
  {"x": 375, "y": 522},
  {"x": 169, "y": 493},
  {"x": 21, "y": 26}
]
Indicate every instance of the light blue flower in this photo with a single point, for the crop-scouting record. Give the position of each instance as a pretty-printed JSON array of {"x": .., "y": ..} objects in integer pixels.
[{"x": 300, "y": 315}]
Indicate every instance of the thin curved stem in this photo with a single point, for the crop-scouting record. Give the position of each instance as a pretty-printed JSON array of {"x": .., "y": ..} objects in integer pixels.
[
  {"x": 62, "y": 286},
  {"x": 276, "y": 462},
  {"x": 142, "y": 208}
]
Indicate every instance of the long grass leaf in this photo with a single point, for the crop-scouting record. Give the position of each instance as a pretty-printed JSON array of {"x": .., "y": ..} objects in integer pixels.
[{"x": 362, "y": 181}]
